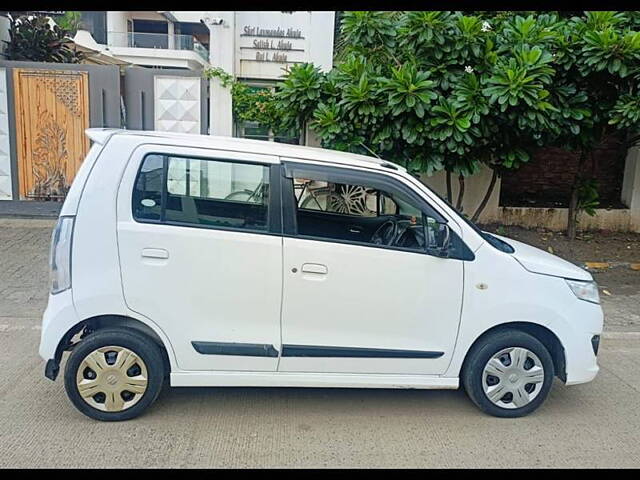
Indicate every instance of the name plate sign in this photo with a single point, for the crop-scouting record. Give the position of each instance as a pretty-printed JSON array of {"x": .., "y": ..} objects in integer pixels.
[{"x": 272, "y": 44}]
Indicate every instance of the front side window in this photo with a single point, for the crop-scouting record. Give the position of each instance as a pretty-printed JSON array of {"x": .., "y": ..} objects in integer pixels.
[
  {"x": 195, "y": 191},
  {"x": 357, "y": 212}
]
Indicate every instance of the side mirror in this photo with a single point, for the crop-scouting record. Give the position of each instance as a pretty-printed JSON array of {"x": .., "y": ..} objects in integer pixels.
[
  {"x": 386, "y": 205},
  {"x": 438, "y": 238}
]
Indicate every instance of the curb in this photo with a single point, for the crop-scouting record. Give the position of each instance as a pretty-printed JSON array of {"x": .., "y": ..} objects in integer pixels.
[
  {"x": 29, "y": 209},
  {"x": 614, "y": 335},
  {"x": 595, "y": 266},
  {"x": 26, "y": 216}
]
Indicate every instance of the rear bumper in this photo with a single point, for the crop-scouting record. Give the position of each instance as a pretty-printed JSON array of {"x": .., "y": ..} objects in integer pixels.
[
  {"x": 51, "y": 369},
  {"x": 59, "y": 317}
]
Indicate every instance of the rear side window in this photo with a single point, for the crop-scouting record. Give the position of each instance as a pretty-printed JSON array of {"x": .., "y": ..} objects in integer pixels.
[{"x": 195, "y": 191}]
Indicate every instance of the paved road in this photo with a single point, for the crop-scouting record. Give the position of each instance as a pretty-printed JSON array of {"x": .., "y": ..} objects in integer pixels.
[{"x": 592, "y": 425}]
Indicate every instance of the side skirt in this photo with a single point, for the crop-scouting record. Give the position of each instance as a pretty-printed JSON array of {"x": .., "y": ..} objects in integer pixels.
[{"x": 320, "y": 380}]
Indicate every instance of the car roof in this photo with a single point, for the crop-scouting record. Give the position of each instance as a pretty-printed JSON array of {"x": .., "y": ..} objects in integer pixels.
[{"x": 101, "y": 135}]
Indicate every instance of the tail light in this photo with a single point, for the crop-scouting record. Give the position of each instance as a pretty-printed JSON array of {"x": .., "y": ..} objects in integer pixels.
[{"x": 60, "y": 255}]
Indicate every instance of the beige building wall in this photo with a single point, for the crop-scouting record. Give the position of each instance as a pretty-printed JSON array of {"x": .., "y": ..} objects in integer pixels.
[
  {"x": 475, "y": 188},
  {"x": 529, "y": 217},
  {"x": 555, "y": 219}
]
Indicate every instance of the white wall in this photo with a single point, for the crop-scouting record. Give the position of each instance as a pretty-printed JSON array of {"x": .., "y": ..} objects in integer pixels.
[
  {"x": 117, "y": 22},
  {"x": 192, "y": 16},
  {"x": 313, "y": 44},
  {"x": 221, "y": 54},
  {"x": 4, "y": 33},
  {"x": 631, "y": 186},
  {"x": 238, "y": 46},
  {"x": 321, "y": 35}
]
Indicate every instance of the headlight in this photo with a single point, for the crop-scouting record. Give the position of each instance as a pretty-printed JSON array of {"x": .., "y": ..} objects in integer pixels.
[
  {"x": 60, "y": 255},
  {"x": 587, "y": 291}
]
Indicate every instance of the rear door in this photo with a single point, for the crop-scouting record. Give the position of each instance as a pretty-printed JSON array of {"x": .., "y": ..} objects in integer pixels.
[{"x": 201, "y": 253}]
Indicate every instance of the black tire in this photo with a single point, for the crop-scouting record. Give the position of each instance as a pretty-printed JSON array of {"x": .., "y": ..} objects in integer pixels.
[
  {"x": 141, "y": 345},
  {"x": 481, "y": 353}
]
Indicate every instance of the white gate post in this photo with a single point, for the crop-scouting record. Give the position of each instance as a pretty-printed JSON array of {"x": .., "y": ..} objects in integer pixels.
[{"x": 221, "y": 54}]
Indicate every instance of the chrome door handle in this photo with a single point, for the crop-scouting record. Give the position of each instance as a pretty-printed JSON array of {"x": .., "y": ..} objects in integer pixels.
[
  {"x": 155, "y": 253},
  {"x": 315, "y": 268}
]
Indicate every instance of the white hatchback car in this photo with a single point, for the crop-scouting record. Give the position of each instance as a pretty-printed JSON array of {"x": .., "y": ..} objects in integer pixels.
[{"x": 209, "y": 261}]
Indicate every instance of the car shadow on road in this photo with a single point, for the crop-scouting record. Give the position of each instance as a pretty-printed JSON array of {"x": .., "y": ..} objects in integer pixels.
[
  {"x": 272, "y": 400},
  {"x": 269, "y": 401}
]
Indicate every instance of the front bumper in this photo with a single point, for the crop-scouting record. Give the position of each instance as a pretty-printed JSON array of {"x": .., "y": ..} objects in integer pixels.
[
  {"x": 595, "y": 344},
  {"x": 580, "y": 338}
]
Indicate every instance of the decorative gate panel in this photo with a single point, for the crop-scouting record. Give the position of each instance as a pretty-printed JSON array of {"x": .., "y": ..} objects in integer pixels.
[
  {"x": 5, "y": 156},
  {"x": 177, "y": 104},
  {"x": 52, "y": 112}
]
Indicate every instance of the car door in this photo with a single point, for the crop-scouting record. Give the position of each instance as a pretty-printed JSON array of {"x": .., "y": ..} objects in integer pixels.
[
  {"x": 201, "y": 253},
  {"x": 350, "y": 306}
]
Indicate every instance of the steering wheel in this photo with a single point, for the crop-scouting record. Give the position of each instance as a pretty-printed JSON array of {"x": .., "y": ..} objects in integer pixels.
[{"x": 386, "y": 233}]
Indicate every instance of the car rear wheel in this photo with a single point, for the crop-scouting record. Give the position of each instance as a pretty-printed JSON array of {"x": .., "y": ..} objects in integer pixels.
[
  {"x": 508, "y": 374},
  {"x": 114, "y": 374}
]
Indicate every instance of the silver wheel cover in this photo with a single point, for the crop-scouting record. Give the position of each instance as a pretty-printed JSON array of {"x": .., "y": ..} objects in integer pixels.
[{"x": 513, "y": 377}]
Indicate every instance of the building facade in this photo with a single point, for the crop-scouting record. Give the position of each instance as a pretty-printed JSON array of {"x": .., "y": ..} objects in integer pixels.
[
  {"x": 263, "y": 46},
  {"x": 256, "y": 47},
  {"x": 160, "y": 57}
]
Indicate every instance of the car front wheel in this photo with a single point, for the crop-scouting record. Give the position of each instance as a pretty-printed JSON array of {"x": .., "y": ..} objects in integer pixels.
[{"x": 508, "y": 374}]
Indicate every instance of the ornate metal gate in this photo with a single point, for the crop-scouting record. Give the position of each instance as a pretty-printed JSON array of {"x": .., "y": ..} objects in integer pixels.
[{"x": 52, "y": 112}]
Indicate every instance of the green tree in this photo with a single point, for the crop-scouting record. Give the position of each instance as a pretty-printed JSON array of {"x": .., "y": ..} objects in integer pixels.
[
  {"x": 446, "y": 90},
  {"x": 71, "y": 21},
  {"x": 249, "y": 104},
  {"x": 32, "y": 38},
  {"x": 596, "y": 90},
  {"x": 430, "y": 90}
]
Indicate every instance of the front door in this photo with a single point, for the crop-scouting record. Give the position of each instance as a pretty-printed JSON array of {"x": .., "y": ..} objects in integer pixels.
[
  {"x": 361, "y": 294},
  {"x": 201, "y": 254}
]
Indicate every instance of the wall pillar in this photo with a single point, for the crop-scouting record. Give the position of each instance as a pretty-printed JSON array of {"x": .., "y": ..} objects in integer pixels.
[
  {"x": 631, "y": 187},
  {"x": 221, "y": 54},
  {"x": 171, "y": 38},
  {"x": 117, "y": 29},
  {"x": 4, "y": 34},
  {"x": 311, "y": 138}
]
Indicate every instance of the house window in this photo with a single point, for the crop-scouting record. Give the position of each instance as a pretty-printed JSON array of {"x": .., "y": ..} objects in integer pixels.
[{"x": 149, "y": 34}]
